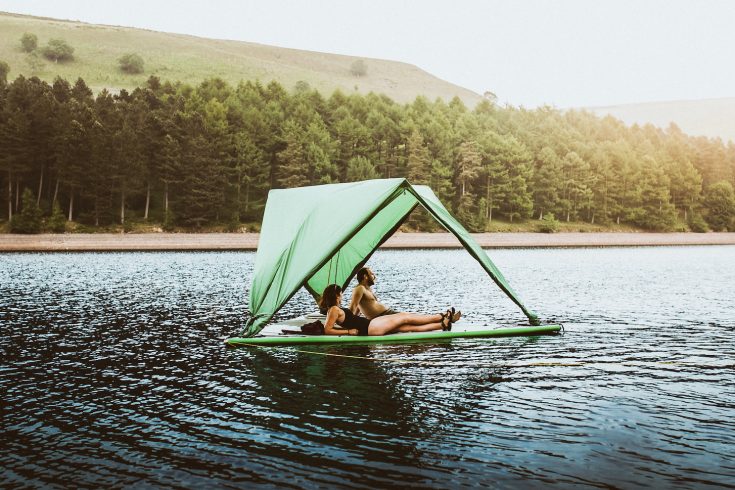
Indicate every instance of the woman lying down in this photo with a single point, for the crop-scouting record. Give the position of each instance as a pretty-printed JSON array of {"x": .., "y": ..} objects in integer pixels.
[{"x": 341, "y": 321}]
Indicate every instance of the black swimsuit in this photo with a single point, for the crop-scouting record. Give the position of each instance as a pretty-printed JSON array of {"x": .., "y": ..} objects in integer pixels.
[{"x": 354, "y": 321}]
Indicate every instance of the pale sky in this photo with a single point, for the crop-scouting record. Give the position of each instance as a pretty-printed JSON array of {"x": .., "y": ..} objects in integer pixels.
[{"x": 567, "y": 53}]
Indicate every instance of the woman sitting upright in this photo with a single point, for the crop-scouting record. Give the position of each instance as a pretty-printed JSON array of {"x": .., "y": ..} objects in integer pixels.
[{"x": 352, "y": 324}]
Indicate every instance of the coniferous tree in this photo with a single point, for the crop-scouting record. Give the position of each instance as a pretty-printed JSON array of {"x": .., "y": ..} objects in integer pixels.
[
  {"x": 195, "y": 200},
  {"x": 574, "y": 184},
  {"x": 40, "y": 111},
  {"x": 545, "y": 183},
  {"x": 654, "y": 209},
  {"x": 29, "y": 219},
  {"x": 519, "y": 203},
  {"x": 494, "y": 173},
  {"x": 318, "y": 149},
  {"x": 294, "y": 169},
  {"x": 360, "y": 168},
  {"x": 16, "y": 138},
  {"x": 710, "y": 157},
  {"x": 61, "y": 91},
  {"x": 82, "y": 93},
  {"x": 250, "y": 173},
  {"x": 350, "y": 136},
  {"x": 99, "y": 179},
  {"x": 219, "y": 154},
  {"x": 685, "y": 185},
  {"x": 128, "y": 160},
  {"x": 275, "y": 128},
  {"x": 467, "y": 166},
  {"x": 720, "y": 202},
  {"x": 518, "y": 162},
  {"x": 417, "y": 167},
  {"x": 169, "y": 167},
  {"x": 257, "y": 158},
  {"x": 74, "y": 151},
  {"x": 602, "y": 170},
  {"x": 56, "y": 222},
  {"x": 4, "y": 70},
  {"x": 441, "y": 181},
  {"x": 387, "y": 138}
]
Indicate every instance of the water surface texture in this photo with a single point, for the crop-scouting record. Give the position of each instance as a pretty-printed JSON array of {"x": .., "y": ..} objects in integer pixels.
[{"x": 113, "y": 372}]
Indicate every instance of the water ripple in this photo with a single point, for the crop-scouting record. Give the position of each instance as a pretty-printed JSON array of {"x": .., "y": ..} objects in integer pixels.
[{"x": 113, "y": 374}]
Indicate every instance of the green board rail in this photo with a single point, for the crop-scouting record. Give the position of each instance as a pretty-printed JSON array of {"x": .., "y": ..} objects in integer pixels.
[{"x": 393, "y": 338}]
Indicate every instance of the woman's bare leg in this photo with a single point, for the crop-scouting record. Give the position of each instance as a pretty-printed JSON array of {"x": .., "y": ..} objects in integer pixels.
[
  {"x": 413, "y": 318},
  {"x": 419, "y": 328},
  {"x": 385, "y": 324},
  {"x": 418, "y": 319}
]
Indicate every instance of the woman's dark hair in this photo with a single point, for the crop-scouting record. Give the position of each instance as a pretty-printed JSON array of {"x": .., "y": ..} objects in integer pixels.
[{"x": 329, "y": 297}]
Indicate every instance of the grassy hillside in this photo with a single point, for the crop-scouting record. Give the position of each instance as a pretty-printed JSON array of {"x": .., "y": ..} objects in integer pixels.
[
  {"x": 707, "y": 117},
  {"x": 191, "y": 59}
]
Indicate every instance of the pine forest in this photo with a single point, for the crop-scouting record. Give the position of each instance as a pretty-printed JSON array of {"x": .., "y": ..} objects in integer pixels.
[{"x": 193, "y": 158}]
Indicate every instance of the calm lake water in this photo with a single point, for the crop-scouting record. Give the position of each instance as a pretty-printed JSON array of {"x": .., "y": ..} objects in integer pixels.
[{"x": 113, "y": 372}]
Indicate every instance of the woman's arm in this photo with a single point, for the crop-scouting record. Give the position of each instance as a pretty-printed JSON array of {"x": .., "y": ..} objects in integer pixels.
[{"x": 331, "y": 327}]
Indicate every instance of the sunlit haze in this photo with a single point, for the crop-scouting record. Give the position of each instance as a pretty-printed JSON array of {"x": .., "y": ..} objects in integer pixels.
[{"x": 564, "y": 53}]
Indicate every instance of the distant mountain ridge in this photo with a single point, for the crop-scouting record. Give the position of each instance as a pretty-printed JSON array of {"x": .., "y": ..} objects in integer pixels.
[
  {"x": 714, "y": 118},
  {"x": 191, "y": 59}
]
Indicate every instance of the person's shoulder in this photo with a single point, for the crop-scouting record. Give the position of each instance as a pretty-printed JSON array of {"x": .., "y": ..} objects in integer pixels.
[{"x": 358, "y": 289}]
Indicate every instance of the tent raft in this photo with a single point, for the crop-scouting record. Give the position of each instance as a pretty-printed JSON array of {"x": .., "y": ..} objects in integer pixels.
[{"x": 317, "y": 235}]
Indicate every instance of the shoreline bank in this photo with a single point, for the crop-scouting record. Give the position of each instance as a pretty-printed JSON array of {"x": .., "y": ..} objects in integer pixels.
[{"x": 96, "y": 242}]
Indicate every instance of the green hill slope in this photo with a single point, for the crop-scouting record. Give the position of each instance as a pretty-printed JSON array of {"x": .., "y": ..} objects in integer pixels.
[{"x": 192, "y": 59}]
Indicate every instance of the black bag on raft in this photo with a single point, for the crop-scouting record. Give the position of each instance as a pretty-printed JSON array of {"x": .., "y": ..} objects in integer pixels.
[{"x": 314, "y": 328}]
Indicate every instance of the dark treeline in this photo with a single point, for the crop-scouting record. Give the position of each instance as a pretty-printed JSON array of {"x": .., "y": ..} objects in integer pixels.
[{"x": 193, "y": 156}]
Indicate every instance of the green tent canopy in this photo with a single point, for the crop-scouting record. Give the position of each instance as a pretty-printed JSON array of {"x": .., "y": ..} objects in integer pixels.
[{"x": 317, "y": 235}]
